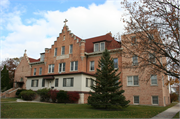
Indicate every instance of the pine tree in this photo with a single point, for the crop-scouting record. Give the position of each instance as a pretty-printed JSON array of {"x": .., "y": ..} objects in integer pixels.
[
  {"x": 5, "y": 80},
  {"x": 107, "y": 87}
]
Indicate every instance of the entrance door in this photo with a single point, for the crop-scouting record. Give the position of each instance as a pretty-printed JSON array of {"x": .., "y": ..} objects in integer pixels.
[{"x": 49, "y": 84}]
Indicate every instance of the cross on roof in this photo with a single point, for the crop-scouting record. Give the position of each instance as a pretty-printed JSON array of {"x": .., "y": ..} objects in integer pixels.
[{"x": 65, "y": 21}]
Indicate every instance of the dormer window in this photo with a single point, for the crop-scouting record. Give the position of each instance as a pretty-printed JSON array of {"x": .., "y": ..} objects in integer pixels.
[
  {"x": 99, "y": 46},
  {"x": 102, "y": 46}
]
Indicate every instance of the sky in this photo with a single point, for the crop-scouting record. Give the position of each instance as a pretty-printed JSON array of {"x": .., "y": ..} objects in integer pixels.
[{"x": 35, "y": 24}]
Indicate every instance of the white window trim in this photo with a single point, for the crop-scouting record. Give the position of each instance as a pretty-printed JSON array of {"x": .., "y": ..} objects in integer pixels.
[
  {"x": 61, "y": 67},
  {"x": 117, "y": 62},
  {"x": 36, "y": 84},
  {"x": 55, "y": 51},
  {"x": 133, "y": 80},
  {"x": 70, "y": 48},
  {"x": 71, "y": 82},
  {"x": 100, "y": 46},
  {"x": 152, "y": 100},
  {"x": 133, "y": 61},
  {"x": 40, "y": 71},
  {"x": 134, "y": 102},
  {"x": 90, "y": 66},
  {"x": 34, "y": 72},
  {"x": 57, "y": 82},
  {"x": 51, "y": 68},
  {"x": 94, "y": 47},
  {"x": 62, "y": 50},
  {"x": 156, "y": 79},
  {"x": 150, "y": 59},
  {"x": 73, "y": 66}
]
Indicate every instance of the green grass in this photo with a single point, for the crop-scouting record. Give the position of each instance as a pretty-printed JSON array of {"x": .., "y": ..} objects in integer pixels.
[
  {"x": 8, "y": 99},
  {"x": 177, "y": 115},
  {"x": 50, "y": 110}
]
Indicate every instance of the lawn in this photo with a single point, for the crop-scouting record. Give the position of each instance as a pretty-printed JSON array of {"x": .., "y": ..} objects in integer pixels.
[
  {"x": 177, "y": 115},
  {"x": 50, "y": 110}
]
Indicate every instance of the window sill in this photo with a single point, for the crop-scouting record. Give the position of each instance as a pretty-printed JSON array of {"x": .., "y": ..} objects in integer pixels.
[
  {"x": 91, "y": 70},
  {"x": 50, "y": 72},
  {"x": 73, "y": 70},
  {"x": 136, "y": 103},
  {"x": 133, "y": 86},
  {"x": 154, "y": 85}
]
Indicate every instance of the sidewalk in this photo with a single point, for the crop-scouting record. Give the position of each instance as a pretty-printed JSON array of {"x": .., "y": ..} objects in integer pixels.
[{"x": 169, "y": 113}]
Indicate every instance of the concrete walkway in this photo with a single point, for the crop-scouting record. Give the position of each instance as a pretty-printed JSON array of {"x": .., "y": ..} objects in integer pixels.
[{"x": 169, "y": 113}]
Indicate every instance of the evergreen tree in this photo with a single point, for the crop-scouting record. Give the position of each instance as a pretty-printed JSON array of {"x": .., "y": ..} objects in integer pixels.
[
  {"x": 5, "y": 80},
  {"x": 107, "y": 89}
]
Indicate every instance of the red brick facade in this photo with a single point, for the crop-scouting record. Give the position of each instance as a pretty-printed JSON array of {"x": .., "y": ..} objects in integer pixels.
[{"x": 83, "y": 52}]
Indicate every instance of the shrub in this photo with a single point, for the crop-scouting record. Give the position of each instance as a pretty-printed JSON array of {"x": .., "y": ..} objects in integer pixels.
[
  {"x": 53, "y": 95},
  {"x": 44, "y": 94},
  {"x": 28, "y": 95},
  {"x": 73, "y": 96},
  {"x": 174, "y": 97},
  {"x": 18, "y": 92},
  {"x": 62, "y": 96}
]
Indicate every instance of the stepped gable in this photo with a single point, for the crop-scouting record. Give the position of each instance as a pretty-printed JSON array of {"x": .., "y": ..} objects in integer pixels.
[
  {"x": 33, "y": 60},
  {"x": 110, "y": 42}
]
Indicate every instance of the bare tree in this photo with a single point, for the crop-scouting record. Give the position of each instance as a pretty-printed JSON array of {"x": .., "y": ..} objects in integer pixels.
[{"x": 153, "y": 36}]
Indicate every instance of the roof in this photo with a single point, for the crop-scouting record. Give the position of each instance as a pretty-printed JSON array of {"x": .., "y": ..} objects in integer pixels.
[
  {"x": 33, "y": 60},
  {"x": 113, "y": 44}
]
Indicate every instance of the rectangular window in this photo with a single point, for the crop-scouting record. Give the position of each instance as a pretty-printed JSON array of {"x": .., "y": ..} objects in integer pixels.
[
  {"x": 135, "y": 60},
  {"x": 64, "y": 37},
  {"x": 92, "y": 66},
  {"x": 153, "y": 79},
  {"x": 34, "y": 71},
  {"x": 21, "y": 79},
  {"x": 40, "y": 70},
  {"x": 56, "y": 82},
  {"x": 51, "y": 68},
  {"x": 102, "y": 46},
  {"x": 43, "y": 83},
  {"x": 155, "y": 100},
  {"x": 63, "y": 50},
  {"x": 34, "y": 83},
  {"x": 55, "y": 52},
  {"x": 96, "y": 47},
  {"x": 133, "y": 81},
  {"x": 74, "y": 66},
  {"x": 152, "y": 58},
  {"x": 70, "y": 49},
  {"x": 89, "y": 82},
  {"x": 116, "y": 63},
  {"x": 136, "y": 99},
  {"x": 133, "y": 40},
  {"x": 62, "y": 67},
  {"x": 68, "y": 82}
]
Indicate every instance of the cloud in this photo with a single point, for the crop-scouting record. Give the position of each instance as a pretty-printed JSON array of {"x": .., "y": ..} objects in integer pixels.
[
  {"x": 4, "y": 3},
  {"x": 41, "y": 33}
]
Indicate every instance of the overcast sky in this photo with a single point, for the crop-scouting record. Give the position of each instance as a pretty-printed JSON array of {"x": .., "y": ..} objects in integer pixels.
[{"x": 35, "y": 24}]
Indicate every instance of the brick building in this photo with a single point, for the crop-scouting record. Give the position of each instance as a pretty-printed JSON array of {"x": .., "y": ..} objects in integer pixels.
[{"x": 71, "y": 62}]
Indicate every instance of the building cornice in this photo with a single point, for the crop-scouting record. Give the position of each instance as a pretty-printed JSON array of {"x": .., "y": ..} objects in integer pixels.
[{"x": 34, "y": 63}]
